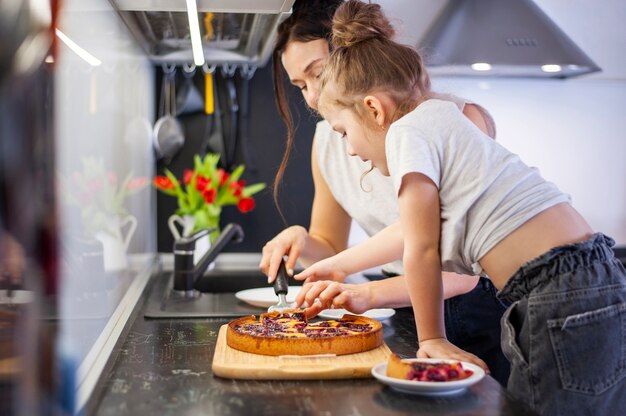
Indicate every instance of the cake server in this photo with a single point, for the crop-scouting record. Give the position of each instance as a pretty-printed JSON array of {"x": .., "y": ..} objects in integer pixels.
[{"x": 281, "y": 288}]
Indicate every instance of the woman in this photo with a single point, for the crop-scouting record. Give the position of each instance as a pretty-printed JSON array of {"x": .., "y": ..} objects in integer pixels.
[
  {"x": 466, "y": 203},
  {"x": 302, "y": 48}
]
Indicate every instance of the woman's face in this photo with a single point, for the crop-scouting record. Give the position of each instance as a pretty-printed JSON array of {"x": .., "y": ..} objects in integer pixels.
[{"x": 304, "y": 62}]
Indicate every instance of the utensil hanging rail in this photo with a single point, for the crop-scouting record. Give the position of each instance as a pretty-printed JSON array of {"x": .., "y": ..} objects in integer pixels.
[{"x": 228, "y": 70}]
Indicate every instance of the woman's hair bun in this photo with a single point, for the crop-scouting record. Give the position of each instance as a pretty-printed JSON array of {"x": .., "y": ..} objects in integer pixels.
[{"x": 356, "y": 21}]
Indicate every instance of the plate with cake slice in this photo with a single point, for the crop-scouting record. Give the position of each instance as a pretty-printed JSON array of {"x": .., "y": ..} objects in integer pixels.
[{"x": 428, "y": 376}]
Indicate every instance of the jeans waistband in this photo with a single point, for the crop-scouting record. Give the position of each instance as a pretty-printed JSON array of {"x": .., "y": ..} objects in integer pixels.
[{"x": 558, "y": 260}]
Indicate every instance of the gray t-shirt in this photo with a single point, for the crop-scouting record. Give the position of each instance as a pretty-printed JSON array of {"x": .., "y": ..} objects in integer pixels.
[{"x": 485, "y": 191}]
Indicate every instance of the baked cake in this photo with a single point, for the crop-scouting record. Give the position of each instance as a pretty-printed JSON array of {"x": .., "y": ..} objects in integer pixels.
[{"x": 289, "y": 333}]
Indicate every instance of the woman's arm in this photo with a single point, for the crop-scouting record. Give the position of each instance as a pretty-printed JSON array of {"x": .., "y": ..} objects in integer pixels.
[
  {"x": 328, "y": 232},
  {"x": 481, "y": 118}
]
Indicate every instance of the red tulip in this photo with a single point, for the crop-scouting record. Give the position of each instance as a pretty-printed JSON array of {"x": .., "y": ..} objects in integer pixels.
[
  {"x": 245, "y": 205},
  {"x": 137, "y": 183},
  {"x": 163, "y": 182},
  {"x": 236, "y": 188},
  {"x": 187, "y": 176},
  {"x": 209, "y": 195},
  {"x": 223, "y": 176},
  {"x": 202, "y": 182}
]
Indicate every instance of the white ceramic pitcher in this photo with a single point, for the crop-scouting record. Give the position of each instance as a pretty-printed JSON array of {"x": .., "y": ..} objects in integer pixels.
[{"x": 115, "y": 243}]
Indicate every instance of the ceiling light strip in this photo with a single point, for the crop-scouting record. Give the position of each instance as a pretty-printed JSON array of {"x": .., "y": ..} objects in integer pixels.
[
  {"x": 89, "y": 58},
  {"x": 194, "y": 32}
]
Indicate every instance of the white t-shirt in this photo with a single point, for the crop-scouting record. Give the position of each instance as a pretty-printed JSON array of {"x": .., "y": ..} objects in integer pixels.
[
  {"x": 374, "y": 204},
  {"x": 485, "y": 191}
]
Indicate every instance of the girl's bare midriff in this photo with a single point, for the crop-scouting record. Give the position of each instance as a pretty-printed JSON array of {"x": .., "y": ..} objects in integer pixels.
[{"x": 556, "y": 226}]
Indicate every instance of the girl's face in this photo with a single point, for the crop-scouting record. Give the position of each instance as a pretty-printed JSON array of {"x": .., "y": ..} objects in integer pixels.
[
  {"x": 304, "y": 62},
  {"x": 362, "y": 138}
]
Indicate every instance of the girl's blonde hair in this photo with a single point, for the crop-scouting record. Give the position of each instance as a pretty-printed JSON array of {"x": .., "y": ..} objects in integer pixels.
[{"x": 366, "y": 59}]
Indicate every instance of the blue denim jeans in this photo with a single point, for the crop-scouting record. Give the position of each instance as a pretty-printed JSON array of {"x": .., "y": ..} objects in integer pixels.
[
  {"x": 565, "y": 331},
  {"x": 473, "y": 324}
]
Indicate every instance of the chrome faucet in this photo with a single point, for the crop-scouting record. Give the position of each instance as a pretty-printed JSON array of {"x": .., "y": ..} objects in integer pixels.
[{"x": 185, "y": 272}]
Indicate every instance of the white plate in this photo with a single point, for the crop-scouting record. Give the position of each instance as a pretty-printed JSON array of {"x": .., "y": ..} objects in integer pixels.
[
  {"x": 378, "y": 314},
  {"x": 264, "y": 297},
  {"x": 430, "y": 388}
]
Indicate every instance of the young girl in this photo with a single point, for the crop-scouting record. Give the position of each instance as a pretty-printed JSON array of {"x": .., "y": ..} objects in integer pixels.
[
  {"x": 300, "y": 53},
  {"x": 468, "y": 205}
]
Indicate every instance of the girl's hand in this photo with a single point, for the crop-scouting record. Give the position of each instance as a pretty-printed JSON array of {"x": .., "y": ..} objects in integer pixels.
[
  {"x": 326, "y": 269},
  {"x": 328, "y": 295},
  {"x": 288, "y": 242},
  {"x": 442, "y": 348}
]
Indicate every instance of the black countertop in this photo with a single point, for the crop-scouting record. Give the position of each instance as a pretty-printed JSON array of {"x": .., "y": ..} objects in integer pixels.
[{"x": 163, "y": 367}]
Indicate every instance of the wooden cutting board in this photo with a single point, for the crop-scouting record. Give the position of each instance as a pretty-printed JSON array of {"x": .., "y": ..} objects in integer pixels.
[{"x": 231, "y": 363}]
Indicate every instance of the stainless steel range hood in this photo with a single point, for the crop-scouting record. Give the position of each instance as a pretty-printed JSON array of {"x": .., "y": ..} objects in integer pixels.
[
  {"x": 233, "y": 32},
  {"x": 500, "y": 38}
]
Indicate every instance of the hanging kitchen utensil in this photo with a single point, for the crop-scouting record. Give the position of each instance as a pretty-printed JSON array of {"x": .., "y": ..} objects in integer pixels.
[
  {"x": 214, "y": 142},
  {"x": 233, "y": 113},
  {"x": 168, "y": 133},
  {"x": 208, "y": 90},
  {"x": 138, "y": 132},
  {"x": 188, "y": 99},
  {"x": 281, "y": 288},
  {"x": 249, "y": 159},
  {"x": 209, "y": 105}
]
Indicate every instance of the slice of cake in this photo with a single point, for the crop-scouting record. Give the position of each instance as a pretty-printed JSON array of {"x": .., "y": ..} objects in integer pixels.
[{"x": 426, "y": 371}]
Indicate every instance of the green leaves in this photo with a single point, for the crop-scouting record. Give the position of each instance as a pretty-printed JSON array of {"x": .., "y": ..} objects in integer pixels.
[{"x": 250, "y": 190}]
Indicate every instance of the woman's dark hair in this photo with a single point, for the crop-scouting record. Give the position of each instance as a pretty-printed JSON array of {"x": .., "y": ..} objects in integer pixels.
[{"x": 310, "y": 20}]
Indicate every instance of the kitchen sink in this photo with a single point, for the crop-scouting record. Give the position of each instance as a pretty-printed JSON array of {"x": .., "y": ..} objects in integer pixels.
[{"x": 214, "y": 294}]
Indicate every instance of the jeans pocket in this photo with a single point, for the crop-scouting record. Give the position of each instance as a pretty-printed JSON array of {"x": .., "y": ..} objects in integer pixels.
[
  {"x": 590, "y": 348},
  {"x": 510, "y": 346},
  {"x": 520, "y": 381}
]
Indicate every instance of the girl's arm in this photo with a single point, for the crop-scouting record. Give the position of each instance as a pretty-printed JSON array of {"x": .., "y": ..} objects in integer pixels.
[
  {"x": 418, "y": 200},
  {"x": 382, "y": 248},
  {"x": 420, "y": 218},
  {"x": 386, "y": 293},
  {"x": 327, "y": 235},
  {"x": 356, "y": 298}
]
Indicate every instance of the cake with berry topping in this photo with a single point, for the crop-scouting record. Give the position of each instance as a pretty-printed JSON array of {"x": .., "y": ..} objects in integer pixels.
[
  {"x": 289, "y": 333},
  {"x": 426, "y": 371}
]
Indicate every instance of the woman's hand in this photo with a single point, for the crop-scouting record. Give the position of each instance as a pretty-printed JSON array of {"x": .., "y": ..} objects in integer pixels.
[
  {"x": 328, "y": 295},
  {"x": 327, "y": 269},
  {"x": 442, "y": 348},
  {"x": 289, "y": 242}
]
